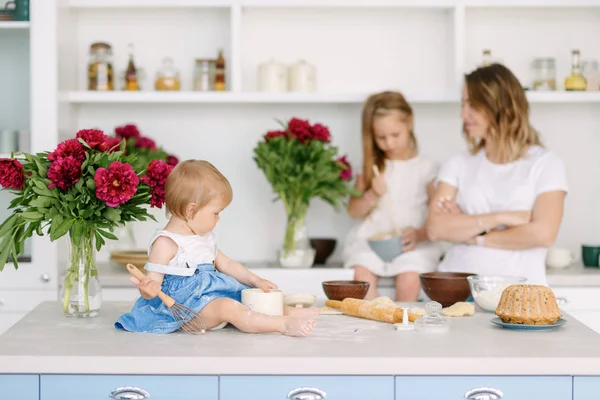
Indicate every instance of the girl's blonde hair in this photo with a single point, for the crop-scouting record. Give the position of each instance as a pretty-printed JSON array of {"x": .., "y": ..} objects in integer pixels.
[
  {"x": 198, "y": 182},
  {"x": 376, "y": 106},
  {"x": 496, "y": 91}
]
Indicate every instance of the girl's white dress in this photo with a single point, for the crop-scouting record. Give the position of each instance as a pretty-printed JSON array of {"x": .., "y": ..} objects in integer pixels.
[{"x": 407, "y": 191}]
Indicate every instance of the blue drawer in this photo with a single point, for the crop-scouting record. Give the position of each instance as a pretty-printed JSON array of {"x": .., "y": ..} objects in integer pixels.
[
  {"x": 99, "y": 387},
  {"x": 455, "y": 387},
  {"x": 335, "y": 387},
  {"x": 22, "y": 387},
  {"x": 586, "y": 387}
]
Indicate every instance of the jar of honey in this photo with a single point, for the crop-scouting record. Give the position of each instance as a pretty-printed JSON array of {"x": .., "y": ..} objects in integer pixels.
[
  {"x": 167, "y": 77},
  {"x": 100, "y": 67}
]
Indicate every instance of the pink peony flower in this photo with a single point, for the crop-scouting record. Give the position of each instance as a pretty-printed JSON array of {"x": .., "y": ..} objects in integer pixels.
[
  {"x": 94, "y": 138},
  {"x": 145, "y": 143},
  {"x": 116, "y": 184},
  {"x": 64, "y": 172},
  {"x": 11, "y": 174},
  {"x": 320, "y": 132},
  {"x": 156, "y": 177},
  {"x": 300, "y": 129},
  {"x": 70, "y": 147},
  {"x": 172, "y": 160},
  {"x": 346, "y": 173},
  {"x": 113, "y": 144},
  {"x": 127, "y": 131},
  {"x": 274, "y": 134}
]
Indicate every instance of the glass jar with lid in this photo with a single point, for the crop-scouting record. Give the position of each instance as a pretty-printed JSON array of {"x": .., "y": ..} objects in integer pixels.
[
  {"x": 100, "y": 67},
  {"x": 544, "y": 74},
  {"x": 167, "y": 77},
  {"x": 204, "y": 74},
  {"x": 433, "y": 321}
]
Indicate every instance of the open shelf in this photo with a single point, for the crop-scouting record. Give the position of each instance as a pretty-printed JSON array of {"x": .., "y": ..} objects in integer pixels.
[{"x": 14, "y": 24}]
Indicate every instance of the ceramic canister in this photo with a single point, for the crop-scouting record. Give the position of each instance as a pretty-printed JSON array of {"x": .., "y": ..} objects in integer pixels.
[
  {"x": 270, "y": 303},
  {"x": 303, "y": 77},
  {"x": 272, "y": 77}
]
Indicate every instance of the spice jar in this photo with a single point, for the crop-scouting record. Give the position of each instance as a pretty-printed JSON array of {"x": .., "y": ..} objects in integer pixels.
[
  {"x": 167, "y": 77},
  {"x": 100, "y": 68},
  {"x": 544, "y": 74},
  {"x": 220, "y": 72},
  {"x": 204, "y": 75}
]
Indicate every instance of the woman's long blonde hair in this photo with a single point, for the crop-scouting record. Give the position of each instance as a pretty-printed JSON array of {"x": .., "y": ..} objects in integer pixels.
[
  {"x": 496, "y": 91},
  {"x": 376, "y": 106}
]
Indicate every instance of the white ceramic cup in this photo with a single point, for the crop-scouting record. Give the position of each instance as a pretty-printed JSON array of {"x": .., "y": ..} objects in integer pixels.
[
  {"x": 560, "y": 257},
  {"x": 270, "y": 303}
]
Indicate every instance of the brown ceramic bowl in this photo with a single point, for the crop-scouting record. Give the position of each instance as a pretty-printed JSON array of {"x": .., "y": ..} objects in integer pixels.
[
  {"x": 323, "y": 249},
  {"x": 339, "y": 290},
  {"x": 446, "y": 288}
]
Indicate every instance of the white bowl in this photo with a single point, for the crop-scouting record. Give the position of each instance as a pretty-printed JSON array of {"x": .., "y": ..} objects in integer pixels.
[
  {"x": 487, "y": 289},
  {"x": 270, "y": 303}
]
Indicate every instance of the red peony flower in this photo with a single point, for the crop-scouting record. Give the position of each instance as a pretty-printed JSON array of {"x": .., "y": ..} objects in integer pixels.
[
  {"x": 156, "y": 177},
  {"x": 113, "y": 144},
  {"x": 172, "y": 160},
  {"x": 127, "y": 131},
  {"x": 274, "y": 134},
  {"x": 70, "y": 147},
  {"x": 64, "y": 172},
  {"x": 11, "y": 174},
  {"x": 145, "y": 143},
  {"x": 346, "y": 173},
  {"x": 94, "y": 138},
  {"x": 321, "y": 132},
  {"x": 116, "y": 184},
  {"x": 300, "y": 129}
]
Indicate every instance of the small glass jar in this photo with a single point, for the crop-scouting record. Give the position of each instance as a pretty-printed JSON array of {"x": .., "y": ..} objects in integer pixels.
[
  {"x": 100, "y": 67},
  {"x": 204, "y": 75},
  {"x": 167, "y": 77},
  {"x": 544, "y": 74},
  {"x": 433, "y": 321}
]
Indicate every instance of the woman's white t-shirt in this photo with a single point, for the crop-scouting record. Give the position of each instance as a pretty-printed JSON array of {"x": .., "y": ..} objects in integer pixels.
[{"x": 485, "y": 187}]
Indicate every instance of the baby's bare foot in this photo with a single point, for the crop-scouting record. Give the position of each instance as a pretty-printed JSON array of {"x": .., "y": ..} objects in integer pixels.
[
  {"x": 305, "y": 313},
  {"x": 298, "y": 326}
]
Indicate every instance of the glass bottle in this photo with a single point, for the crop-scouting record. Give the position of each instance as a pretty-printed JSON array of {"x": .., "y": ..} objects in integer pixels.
[
  {"x": 100, "y": 68},
  {"x": 204, "y": 75},
  {"x": 576, "y": 80},
  {"x": 486, "y": 58},
  {"x": 544, "y": 70},
  {"x": 220, "y": 72},
  {"x": 433, "y": 321},
  {"x": 167, "y": 78},
  {"x": 592, "y": 75},
  {"x": 131, "y": 75}
]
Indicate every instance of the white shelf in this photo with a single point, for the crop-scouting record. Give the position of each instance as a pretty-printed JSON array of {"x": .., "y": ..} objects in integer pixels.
[
  {"x": 148, "y": 3},
  {"x": 14, "y": 24},
  {"x": 87, "y": 97}
]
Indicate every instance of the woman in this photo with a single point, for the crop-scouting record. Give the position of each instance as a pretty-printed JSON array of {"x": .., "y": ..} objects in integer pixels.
[{"x": 501, "y": 205}]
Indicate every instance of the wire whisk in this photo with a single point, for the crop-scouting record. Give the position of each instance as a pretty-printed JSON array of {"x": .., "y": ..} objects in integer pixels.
[{"x": 187, "y": 317}]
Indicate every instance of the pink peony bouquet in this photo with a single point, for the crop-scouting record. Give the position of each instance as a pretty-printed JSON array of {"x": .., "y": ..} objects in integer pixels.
[{"x": 85, "y": 188}]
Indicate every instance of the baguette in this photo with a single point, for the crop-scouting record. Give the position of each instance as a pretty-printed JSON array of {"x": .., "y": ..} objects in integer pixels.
[{"x": 377, "y": 311}]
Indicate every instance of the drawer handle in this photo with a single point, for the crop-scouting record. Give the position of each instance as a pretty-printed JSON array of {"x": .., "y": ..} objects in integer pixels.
[
  {"x": 129, "y": 393},
  {"x": 45, "y": 277},
  {"x": 484, "y": 393},
  {"x": 306, "y": 393}
]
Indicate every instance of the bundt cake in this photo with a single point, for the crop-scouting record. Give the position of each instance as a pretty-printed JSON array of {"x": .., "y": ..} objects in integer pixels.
[{"x": 528, "y": 304}]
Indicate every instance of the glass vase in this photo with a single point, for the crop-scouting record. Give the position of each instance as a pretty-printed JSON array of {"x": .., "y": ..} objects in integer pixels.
[
  {"x": 81, "y": 294},
  {"x": 296, "y": 251}
]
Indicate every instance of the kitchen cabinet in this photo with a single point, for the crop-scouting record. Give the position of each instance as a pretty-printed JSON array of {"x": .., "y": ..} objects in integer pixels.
[
  {"x": 334, "y": 387},
  {"x": 470, "y": 387},
  {"x": 582, "y": 303},
  {"x": 19, "y": 387},
  {"x": 586, "y": 387},
  {"x": 100, "y": 387}
]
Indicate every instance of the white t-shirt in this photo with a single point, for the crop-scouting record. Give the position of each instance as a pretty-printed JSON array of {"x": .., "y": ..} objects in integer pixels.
[{"x": 484, "y": 187}]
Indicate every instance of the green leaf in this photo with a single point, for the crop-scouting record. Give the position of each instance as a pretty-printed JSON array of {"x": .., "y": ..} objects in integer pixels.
[
  {"x": 61, "y": 230},
  {"x": 31, "y": 215},
  {"x": 107, "y": 235},
  {"x": 99, "y": 241},
  {"x": 8, "y": 224},
  {"x": 77, "y": 231},
  {"x": 5, "y": 249},
  {"x": 42, "y": 202},
  {"x": 112, "y": 214}
]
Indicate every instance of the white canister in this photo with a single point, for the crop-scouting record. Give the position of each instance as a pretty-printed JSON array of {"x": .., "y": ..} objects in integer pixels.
[
  {"x": 272, "y": 77},
  {"x": 303, "y": 77},
  {"x": 270, "y": 303}
]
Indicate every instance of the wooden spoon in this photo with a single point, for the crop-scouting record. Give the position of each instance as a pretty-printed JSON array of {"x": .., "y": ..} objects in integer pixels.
[{"x": 388, "y": 205}]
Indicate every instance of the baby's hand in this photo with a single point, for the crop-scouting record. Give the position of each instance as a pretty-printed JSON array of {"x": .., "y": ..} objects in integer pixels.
[
  {"x": 148, "y": 288},
  {"x": 265, "y": 285}
]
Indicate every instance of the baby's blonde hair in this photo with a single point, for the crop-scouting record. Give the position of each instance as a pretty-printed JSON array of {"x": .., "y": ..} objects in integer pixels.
[{"x": 198, "y": 182}]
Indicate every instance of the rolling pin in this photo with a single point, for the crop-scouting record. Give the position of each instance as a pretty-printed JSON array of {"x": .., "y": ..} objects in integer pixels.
[{"x": 370, "y": 310}]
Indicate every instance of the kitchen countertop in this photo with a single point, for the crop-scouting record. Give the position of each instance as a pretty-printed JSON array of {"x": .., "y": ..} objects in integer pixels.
[
  {"x": 45, "y": 341},
  {"x": 115, "y": 275}
]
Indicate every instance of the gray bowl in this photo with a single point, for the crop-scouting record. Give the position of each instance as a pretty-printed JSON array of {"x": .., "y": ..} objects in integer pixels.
[{"x": 387, "y": 249}]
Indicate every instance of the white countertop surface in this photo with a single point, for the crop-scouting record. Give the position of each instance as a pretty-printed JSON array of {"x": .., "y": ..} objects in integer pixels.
[
  {"x": 45, "y": 341},
  {"x": 116, "y": 276}
]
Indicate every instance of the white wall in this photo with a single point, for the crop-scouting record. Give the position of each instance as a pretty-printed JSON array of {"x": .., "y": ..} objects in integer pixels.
[{"x": 355, "y": 50}]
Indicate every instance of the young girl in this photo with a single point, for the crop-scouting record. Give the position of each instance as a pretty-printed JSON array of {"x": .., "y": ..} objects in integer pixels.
[
  {"x": 405, "y": 178},
  {"x": 184, "y": 260}
]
